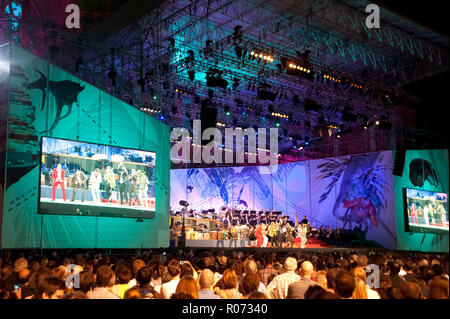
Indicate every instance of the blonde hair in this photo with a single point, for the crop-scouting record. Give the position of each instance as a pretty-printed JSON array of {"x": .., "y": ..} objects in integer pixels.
[{"x": 360, "y": 291}]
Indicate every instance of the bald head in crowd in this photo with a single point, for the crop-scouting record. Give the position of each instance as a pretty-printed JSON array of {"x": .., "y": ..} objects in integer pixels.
[
  {"x": 306, "y": 269},
  {"x": 251, "y": 267},
  {"x": 206, "y": 279}
]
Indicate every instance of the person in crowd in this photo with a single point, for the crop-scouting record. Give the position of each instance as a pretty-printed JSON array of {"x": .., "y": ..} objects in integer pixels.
[
  {"x": 189, "y": 287},
  {"x": 250, "y": 283},
  {"x": 344, "y": 284},
  {"x": 227, "y": 286},
  {"x": 123, "y": 276},
  {"x": 104, "y": 280},
  {"x": 206, "y": 282},
  {"x": 50, "y": 288},
  {"x": 268, "y": 270},
  {"x": 297, "y": 289},
  {"x": 251, "y": 267},
  {"x": 168, "y": 288},
  {"x": 361, "y": 276},
  {"x": 278, "y": 288},
  {"x": 143, "y": 280},
  {"x": 132, "y": 293},
  {"x": 438, "y": 288}
]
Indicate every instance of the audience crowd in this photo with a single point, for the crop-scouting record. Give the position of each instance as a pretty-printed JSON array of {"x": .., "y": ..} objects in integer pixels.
[{"x": 159, "y": 274}]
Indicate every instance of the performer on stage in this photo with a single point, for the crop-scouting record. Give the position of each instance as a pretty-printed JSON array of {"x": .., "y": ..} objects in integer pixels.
[
  {"x": 122, "y": 172},
  {"x": 133, "y": 177},
  {"x": 301, "y": 231},
  {"x": 94, "y": 184},
  {"x": 272, "y": 231},
  {"x": 289, "y": 236},
  {"x": 59, "y": 179},
  {"x": 78, "y": 181},
  {"x": 143, "y": 186},
  {"x": 307, "y": 224},
  {"x": 110, "y": 179},
  {"x": 260, "y": 234},
  {"x": 413, "y": 213}
]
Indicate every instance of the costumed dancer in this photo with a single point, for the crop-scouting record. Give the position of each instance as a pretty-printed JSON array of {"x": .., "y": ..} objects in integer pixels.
[
  {"x": 59, "y": 179},
  {"x": 260, "y": 235}
]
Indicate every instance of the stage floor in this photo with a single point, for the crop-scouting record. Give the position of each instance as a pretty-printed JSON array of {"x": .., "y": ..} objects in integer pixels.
[
  {"x": 199, "y": 243},
  {"x": 78, "y": 208}
]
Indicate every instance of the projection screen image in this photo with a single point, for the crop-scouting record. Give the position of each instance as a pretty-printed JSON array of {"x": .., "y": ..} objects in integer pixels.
[{"x": 80, "y": 178}]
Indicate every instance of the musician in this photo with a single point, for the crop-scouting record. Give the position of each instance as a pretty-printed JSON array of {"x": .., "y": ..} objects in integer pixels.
[
  {"x": 308, "y": 228},
  {"x": 78, "y": 181},
  {"x": 133, "y": 178},
  {"x": 279, "y": 235},
  {"x": 59, "y": 179},
  {"x": 123, "y": 173},
  {"x": 94, "y": 184},
  {"x": 301, "y": 231},
  {"x": 110, "y": 179},
  {"x": 260, "y": 234},
  {"x": 271, "y": 232},
  {"x": 289, "y": 236}
]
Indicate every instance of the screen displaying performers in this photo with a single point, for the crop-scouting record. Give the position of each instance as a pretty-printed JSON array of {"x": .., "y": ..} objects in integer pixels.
[
  {"x": 91, "y": 179},
  {"x": 426, "y": 211}
]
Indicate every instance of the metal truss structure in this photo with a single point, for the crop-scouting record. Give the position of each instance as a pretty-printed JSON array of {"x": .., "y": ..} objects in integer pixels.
[{"x": 159, "y": 56}]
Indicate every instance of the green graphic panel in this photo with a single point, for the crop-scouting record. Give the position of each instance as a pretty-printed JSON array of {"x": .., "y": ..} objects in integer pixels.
[
  {"x": 46, "y": 101},
  {"x": 427, "y": 170}
]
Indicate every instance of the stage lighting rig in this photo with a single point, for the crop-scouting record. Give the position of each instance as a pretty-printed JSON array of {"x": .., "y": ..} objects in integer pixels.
[{"x": 259, "y": 56}]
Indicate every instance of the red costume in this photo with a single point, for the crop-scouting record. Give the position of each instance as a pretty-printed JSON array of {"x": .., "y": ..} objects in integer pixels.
[
  {"x": 259, "y": 236},
  {"x": 59, "y": 182},
  {"x": 413, "y": 215}
]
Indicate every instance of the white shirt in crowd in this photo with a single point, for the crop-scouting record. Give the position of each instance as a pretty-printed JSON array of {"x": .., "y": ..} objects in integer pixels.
[{"x": 169, "y": 288}]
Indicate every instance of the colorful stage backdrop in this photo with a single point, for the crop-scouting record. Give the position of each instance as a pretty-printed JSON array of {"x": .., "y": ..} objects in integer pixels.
[
  {"x": 349, "y": 191},
  {"x": 46, "y": 101}
]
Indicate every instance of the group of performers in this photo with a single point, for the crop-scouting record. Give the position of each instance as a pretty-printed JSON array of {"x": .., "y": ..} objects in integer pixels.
[
  {"x": 282, "y": 231},
  {"x": 120, "y": 181},
  {"x": 268, "y": 228},
  {"x": 427, "y": 213}
]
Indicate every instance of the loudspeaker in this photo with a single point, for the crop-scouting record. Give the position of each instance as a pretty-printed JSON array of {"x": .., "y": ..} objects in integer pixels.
[{"x": 399, "y": 160}]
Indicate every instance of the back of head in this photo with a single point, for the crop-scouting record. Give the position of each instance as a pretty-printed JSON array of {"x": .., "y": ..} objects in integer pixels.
[
  {"x": 206, "y": 279},
  {"x": 321, "y": 278},
  {"x": 251, "y": 267},
  {"x": 331, "y": 277},
  {"x": 359, "y": 272},
  {"x": 409, "y": 290},
  {"x": 257, "y": 295},
  {"x": 86, "y": 281},
  {"x": 290, "y": 264},
  {"x": 188, "y": 286},
  {"x": 438, "y": 288},
  {"x": 132, "y": 293},
  {"x": 49, "y": 286},
  {"x": 314, "y": 292},
  {"x": 362, "y": 260},
  {"x": 344, "y": 284},
  {"x": 75, "y": 295},
  {"x": 138, "y": 264},
  {"x": 229, "y": 279},
  {"x": 174, "y": 268},
  {"x": 306, "y": 269},
  {"x": 104, "y": 275},
  {"x": 143, "y": 276},
  {"x": 249, "y": 283},
  {"x": 23, "y": 276},
  {"x": 123, "y": 274}
]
